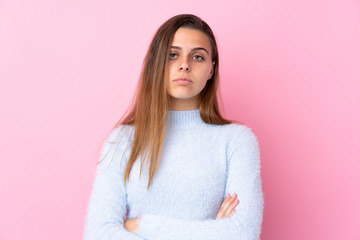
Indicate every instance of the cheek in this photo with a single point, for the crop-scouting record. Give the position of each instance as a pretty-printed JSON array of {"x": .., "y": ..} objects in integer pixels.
[
  {"x": 205, "y": 72},
  {"x": 171, "y": 69}
]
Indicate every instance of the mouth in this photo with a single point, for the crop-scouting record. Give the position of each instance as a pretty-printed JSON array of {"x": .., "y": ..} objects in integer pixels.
[{"x": 183, "y": 80}]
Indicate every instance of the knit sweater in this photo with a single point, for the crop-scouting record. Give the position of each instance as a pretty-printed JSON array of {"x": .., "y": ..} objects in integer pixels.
[{"x": 200, "y": 164}]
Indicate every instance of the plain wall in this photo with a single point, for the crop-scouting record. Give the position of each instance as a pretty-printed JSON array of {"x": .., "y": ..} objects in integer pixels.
[{"x": 289, "y": 70}]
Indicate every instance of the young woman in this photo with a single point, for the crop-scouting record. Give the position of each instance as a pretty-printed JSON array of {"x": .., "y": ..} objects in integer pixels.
[{"x": 168, "y": 169}]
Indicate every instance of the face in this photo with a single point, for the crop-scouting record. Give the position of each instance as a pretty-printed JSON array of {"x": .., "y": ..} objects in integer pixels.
[{"x": 190, "y": 67}]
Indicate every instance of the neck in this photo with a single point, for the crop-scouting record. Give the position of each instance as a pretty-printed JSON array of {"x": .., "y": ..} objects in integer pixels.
[
  {"x": 184, "y": 118},
  {"x": 183, "y": 104}
]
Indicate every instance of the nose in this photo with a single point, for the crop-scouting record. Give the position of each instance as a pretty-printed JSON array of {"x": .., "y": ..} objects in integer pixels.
[{"x": 184, "y": 66}]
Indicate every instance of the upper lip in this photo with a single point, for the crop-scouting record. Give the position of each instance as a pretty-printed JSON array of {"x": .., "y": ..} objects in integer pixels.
[{"x": 183, "y": 79}]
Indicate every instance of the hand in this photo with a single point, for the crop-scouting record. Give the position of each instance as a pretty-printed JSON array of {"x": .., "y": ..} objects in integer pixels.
[
  {"x": 227, "y": 208},
  {"x": 132, "y": 224}
]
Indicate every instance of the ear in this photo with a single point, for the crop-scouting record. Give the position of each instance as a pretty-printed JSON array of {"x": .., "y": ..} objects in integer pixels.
[{"x": 212, "y": 70}]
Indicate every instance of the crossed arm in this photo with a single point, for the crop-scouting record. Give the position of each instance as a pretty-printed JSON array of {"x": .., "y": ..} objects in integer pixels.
[
  {"x": 107, "y": 206},
  {"x": 227, "y": 209}
]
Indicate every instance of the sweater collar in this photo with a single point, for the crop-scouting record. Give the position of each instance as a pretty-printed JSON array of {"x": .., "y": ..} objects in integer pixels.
[{"x": 184, "y": 119}]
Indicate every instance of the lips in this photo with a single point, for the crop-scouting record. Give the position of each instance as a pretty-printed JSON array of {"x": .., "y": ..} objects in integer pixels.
[{"x": 182, "y": 80}]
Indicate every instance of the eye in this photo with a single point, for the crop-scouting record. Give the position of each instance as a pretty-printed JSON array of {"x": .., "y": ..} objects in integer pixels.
[
  {"x": 172, "y": 55},
  {"x": 198, "y": 57}
]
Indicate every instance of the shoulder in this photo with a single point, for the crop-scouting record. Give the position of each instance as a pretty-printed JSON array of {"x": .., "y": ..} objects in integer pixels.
[
  {"x": 122, "y": 133},
  {"x": 243, "y": 145},
  {"x": 116, "y": 143},
  {"x": 241, "y": 139},
  {"x": 239, "y": 132},
  {"x": 117, "y": 139}
]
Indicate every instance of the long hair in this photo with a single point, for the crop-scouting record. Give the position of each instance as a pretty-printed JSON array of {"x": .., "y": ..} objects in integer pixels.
[{"x": 147, "y": 111}]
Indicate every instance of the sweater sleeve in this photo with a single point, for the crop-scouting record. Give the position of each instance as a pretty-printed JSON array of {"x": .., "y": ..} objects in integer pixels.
[
  {"x": 243, "y": 179},
  {"x": 107, "y": 206}
]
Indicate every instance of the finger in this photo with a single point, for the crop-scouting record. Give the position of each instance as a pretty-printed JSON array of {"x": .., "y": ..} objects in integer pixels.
[
  {"x": 224, "y": 209},
  {"x": 232, "y": 213},
  {"x": 232, "y": 207},
  {"x": 227, "y": 197},
  {"x": 228, "y": 201},
  {"x": 225, "y": 202},
  {"x": 229, "y": 205}
]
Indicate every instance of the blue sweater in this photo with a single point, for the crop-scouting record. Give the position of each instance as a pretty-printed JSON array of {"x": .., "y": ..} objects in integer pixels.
[{"x": 200, "y": 164}]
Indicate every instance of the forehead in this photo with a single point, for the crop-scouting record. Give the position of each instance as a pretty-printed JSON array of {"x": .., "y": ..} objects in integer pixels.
[{"x": 187, "y": 37}]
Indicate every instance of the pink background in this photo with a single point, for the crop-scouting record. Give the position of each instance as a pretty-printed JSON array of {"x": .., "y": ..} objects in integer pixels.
[{"x": 289, "y": 70}]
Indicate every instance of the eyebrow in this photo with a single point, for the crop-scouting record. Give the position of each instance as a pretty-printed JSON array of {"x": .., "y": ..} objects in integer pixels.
[{"x": 194, "y": 49}]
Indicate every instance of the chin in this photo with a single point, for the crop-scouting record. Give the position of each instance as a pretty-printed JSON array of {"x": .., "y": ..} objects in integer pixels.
[{"x": 182, "y": 96}]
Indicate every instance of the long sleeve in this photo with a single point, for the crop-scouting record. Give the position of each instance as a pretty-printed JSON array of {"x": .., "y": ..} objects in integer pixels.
[
  {"x": 107, "y": 206},
  {"x": 243, "y": 178}
]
